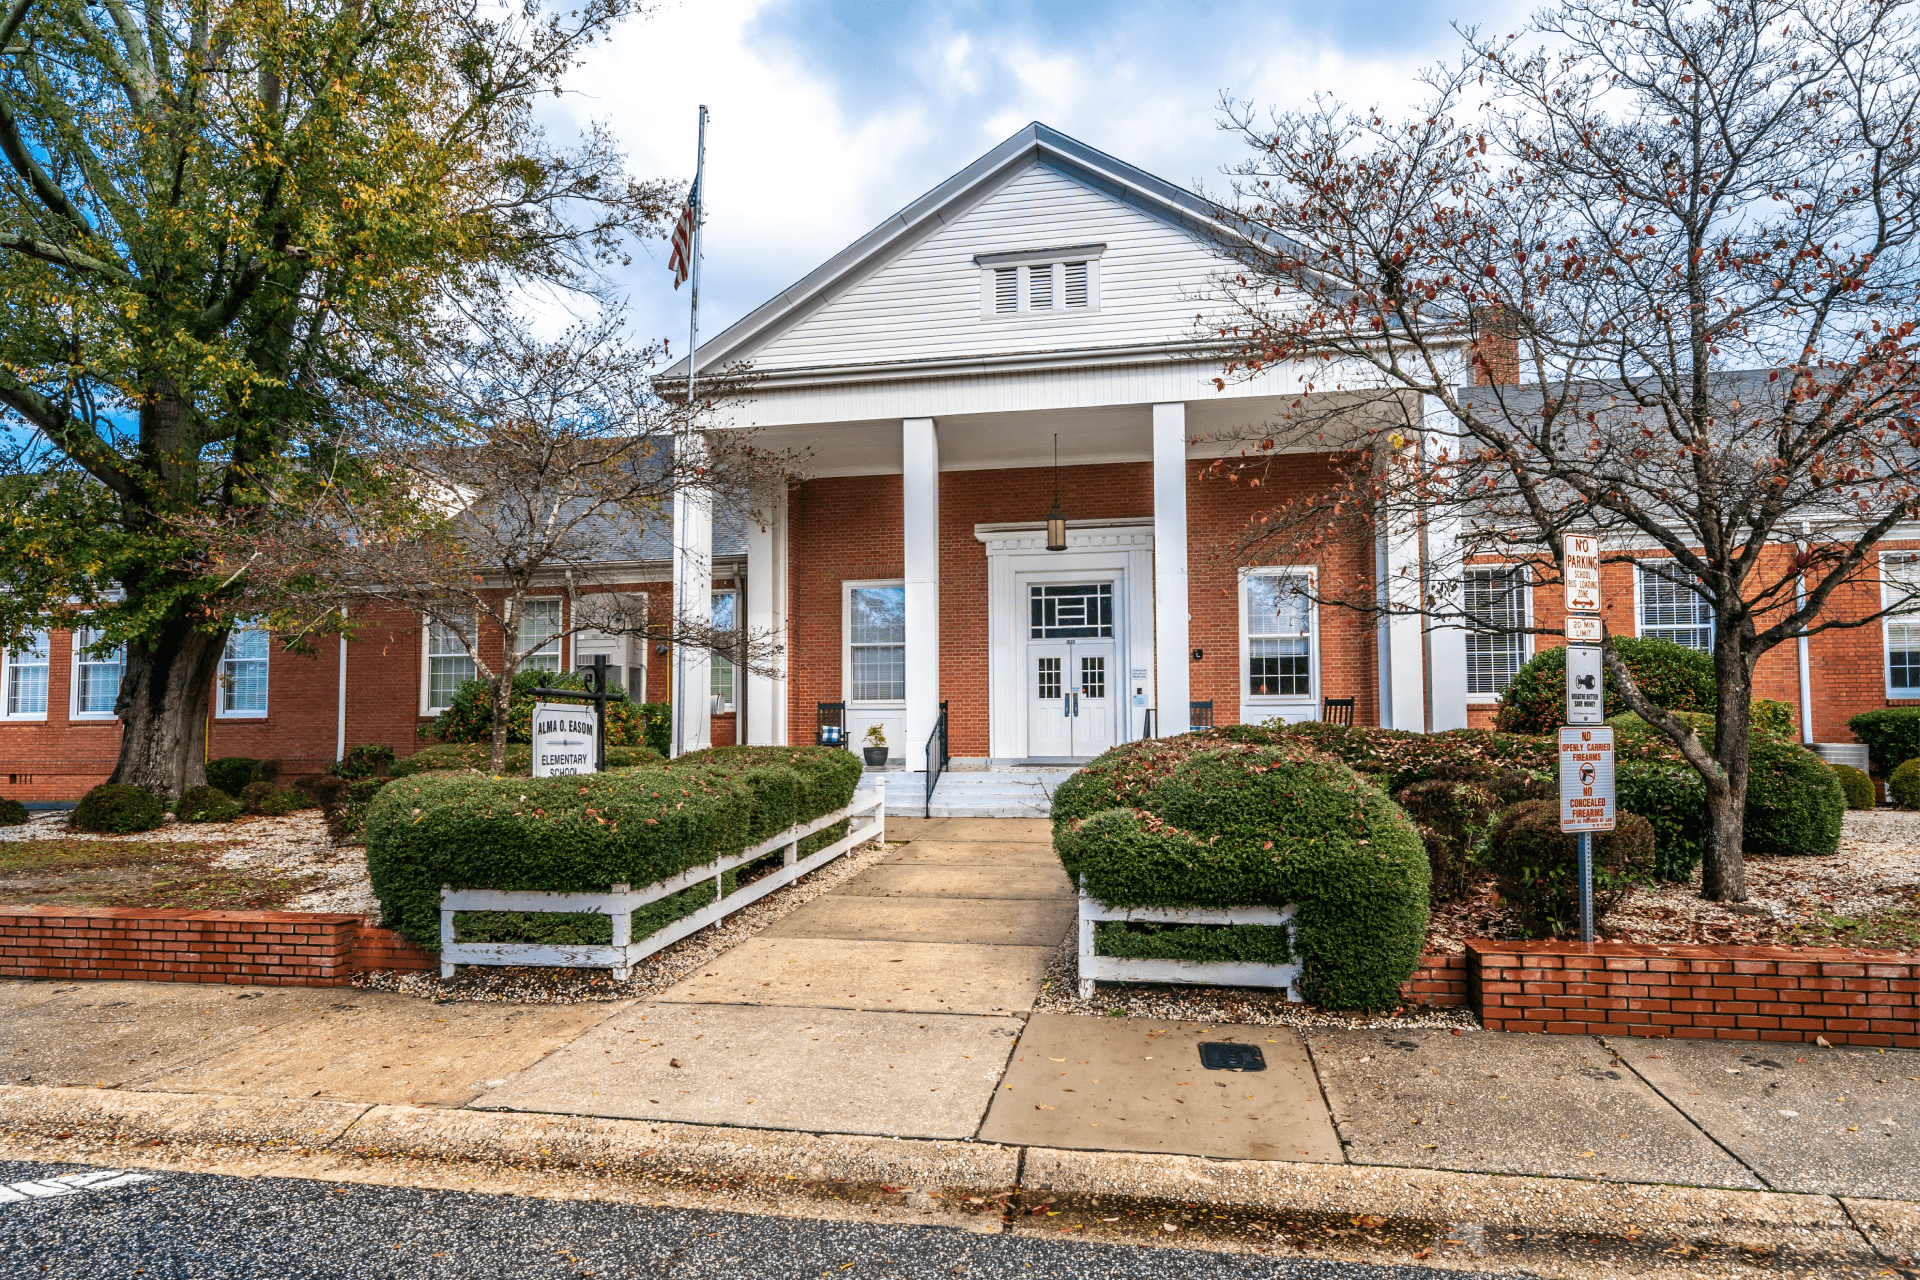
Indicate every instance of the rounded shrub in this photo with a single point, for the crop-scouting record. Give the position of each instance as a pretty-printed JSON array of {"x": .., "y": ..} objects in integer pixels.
[
  {"x": 1857, "y": 786},
  {"x": 207, "y": 804},
  {"x": 1903, "y": 784},
  {"x": 232, "y": 773},
  {"x": 270, "y": 800},
  {"x": 1254, "y": 817},
  {"x": 585, "y": 834},
  {"x": 1794, "y": 801},
  {"x": 116, "y": 808},
  {"x": 363, "y": 762},
  {"x": 1399, "y": 758},
  {"x": 1453, "y": 818},
  {"x": 1674, "y": 676},
  {"x": 1538, "y": 867},
  {"x": 1671, "y": 797},
  {"x": 12, "y": 813},
  {"x": 1891, "y": 735}
]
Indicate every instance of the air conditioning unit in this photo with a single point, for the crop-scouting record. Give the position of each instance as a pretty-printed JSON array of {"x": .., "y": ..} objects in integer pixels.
[{"x": 626, "y": 652}]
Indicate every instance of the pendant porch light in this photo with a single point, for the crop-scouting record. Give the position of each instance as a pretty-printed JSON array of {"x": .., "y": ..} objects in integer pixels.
[{"x": 1056, "y": 518}]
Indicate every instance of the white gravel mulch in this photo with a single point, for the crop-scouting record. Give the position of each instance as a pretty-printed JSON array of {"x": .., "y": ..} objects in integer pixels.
[{"x": 1877, "y": 866}]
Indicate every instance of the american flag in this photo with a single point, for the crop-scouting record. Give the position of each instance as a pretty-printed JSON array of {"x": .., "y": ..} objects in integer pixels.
[{"x": 682, "y": 260}]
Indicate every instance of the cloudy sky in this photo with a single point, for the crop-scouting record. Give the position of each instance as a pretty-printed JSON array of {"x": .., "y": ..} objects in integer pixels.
[{"x": 828, "y": 115}]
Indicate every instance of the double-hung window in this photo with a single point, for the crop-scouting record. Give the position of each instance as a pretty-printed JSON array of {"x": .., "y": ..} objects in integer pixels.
[
  {"x": 720, "y": 669},
  {"x": 96, "y": 675},
  {"x": 1670, "y": 606},
  {"x": 1900, "y": 597},
  {"x": 877, "y": 643},
  {"x": 26, "y": 682},
  {"x": 1495, "y": 602},
  {"x": 539, "y": 635},
  {"x": 1278, "y": 643},
  {"x": 449, "y": 665},
  {"x": 243, "y": 674}
]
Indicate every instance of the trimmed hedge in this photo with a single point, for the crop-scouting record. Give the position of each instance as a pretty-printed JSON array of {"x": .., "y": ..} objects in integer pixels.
[
  {"x": 1857, "y": 786},
  {"x": 232, "y": 773},
  {"x": 1398, "y": 758},
  {"x": 1903, "y": 784},
  {"x": 117, "y": 808},
  {"x": 363, "y": 762},
  {"x": 1673, "y": 800},
  {"x": 1453, "y": 819},
  {"x": 1245, "y": 943},
  {"x": 1537, "y": 865},
  {"x": 271, "y": 800},
  {"x": 1674, "y": 676},
  {"x": 657, "y": 721},
  {"x": 207, "y": 804},
  {"x": 1245, "y": 816},
  {"x": 1892, "y": 736},
  {"x": 476, "y": 756},
  {"x": 585, "y": 834},
  {"x": 13, "y": 813}
]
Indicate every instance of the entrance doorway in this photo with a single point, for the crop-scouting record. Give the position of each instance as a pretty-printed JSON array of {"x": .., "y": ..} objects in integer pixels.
[{"x": 1072, "y": 687}]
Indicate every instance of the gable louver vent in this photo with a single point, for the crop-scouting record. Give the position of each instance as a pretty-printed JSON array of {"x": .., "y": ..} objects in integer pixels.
[
  {"x": 1006, "y": 289},
  {"x": 1040, "y": 287},
  {"x": 1076, "y": 284}
]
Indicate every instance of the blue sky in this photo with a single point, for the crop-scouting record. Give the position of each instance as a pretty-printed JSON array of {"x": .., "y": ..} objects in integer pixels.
[{"x": 830, "y": 114}]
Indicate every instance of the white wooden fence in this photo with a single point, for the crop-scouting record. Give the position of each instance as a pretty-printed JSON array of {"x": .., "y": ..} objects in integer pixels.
[
  {"x": 622, "y": 900},
  {"x": 1216, "y": 973}
]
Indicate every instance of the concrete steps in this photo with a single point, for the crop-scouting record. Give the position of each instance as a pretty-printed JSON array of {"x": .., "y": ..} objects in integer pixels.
[{"x": 973, "y": 793}]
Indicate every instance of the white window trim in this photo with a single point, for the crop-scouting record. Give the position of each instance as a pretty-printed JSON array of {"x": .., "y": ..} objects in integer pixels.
[
  {"x": 1026, "y": 261},
  {"x": 1639, "y": 572},
  {"x": 426, "y": 664},
  {"x": 1252, "y": 703},
  {"x": 715, "y": 659},
  {"x": 1886, "y": 639},
  {"x": 1526, "y": 613},
  {"x": 559, "y": 642},
  {"x": 219, "y": 711},
  {"x": 6, "y": 681},
  {"x": 847, "y": 588},
  {"x": 73, "y": 684}
]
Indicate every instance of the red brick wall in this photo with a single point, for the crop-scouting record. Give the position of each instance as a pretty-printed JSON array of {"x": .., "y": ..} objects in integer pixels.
[
  {"x": 1440, "y": 981},
  {"x": 1698, "y": 992},
  {"x": 259, "y": 948}
]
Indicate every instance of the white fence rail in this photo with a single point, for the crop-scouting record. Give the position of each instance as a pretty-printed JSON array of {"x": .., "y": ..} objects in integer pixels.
[
  {"x": 1215, "y": 973},
  {"x": 620, "y": 903}
]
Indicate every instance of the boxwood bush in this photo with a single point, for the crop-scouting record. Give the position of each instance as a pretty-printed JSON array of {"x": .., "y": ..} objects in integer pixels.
[
  {"x": 1453, "y": 819},
  {"x": 207, "y": 804},
  {"x": 13, "y": 813},
  {"x": 1399, "y": 758},
  {"x": 1892, "y": 736},
  {"x": 1857, "y": 786},
  {"x": 1674, "y": 676},
  {"x": 116, "y": 808},
  {"x": 1673, "y": 800},
  {"x": 1246, "y": 816},
  {"x": 1903, "y": 784},
  {"x": 1537, "y": 866},
  {"x": 232, "y": 773},
  {"x": 585, "y": 834}
]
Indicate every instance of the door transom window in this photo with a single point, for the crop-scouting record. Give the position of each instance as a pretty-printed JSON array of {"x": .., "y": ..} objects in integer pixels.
[{"x": 1078, "y": 612}]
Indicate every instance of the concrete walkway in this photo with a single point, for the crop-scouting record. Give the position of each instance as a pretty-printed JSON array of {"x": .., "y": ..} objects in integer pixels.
[{"x": 900, "y": 1006}]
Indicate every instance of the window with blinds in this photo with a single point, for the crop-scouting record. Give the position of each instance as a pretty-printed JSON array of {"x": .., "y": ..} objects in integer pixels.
[
  {"x": 96, "y": 676},
  {"x": 26, "y": 681},
  {"x": 1900, "y": 596},
  {"x": 1672, "y": 608},
  {"x": 1496, "y": 607},
  {"x": 877, "y": 643},
  {"x": 243, "y": 673}
]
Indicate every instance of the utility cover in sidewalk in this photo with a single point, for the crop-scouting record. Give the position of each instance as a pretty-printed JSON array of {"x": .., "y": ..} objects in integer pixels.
[{"x": 1216, "y": 1056}]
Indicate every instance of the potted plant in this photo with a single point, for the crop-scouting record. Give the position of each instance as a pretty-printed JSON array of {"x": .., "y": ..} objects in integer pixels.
[{"x": 876, "y": 748}]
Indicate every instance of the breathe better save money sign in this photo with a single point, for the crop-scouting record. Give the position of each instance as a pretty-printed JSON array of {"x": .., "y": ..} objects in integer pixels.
[
  {"x": 563, "y": 739},
  {"x": 1586, "y": 779}
]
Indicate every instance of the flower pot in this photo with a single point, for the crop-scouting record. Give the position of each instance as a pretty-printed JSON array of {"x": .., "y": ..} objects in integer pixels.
[{"x": 876, "y": 756}]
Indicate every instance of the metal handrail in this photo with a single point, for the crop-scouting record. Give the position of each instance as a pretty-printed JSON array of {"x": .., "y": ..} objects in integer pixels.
[
  {"x": 936, "y": 763},
  {"x": 1146, "y": 725}
]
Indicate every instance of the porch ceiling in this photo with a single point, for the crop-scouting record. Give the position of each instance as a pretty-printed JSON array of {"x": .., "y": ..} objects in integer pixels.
[{"x": 1024, "y": 438}]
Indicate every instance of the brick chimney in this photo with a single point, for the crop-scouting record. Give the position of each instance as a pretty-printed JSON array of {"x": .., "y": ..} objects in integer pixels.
[{"x": 1496, "y": 349}]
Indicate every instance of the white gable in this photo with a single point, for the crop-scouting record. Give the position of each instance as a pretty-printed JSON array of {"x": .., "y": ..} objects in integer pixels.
[{"x": 925, "y": 302}]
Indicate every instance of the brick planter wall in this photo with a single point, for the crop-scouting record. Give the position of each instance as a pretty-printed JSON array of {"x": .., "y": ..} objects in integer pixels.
[
  {"x": 1441, "y": 981},
  {"x": 1700, "y": 992},
  {"x": 266, "y": 948}
]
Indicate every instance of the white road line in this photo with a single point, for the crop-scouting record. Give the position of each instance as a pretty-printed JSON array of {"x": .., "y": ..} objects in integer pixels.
[{"x": 69, "y": 1184}]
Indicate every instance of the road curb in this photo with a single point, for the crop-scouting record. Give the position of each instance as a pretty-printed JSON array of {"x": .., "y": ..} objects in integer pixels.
[{"x": 1458, "y": 1217}]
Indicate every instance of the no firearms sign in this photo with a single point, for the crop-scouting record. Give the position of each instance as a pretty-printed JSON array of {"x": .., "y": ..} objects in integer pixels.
[{"x": 1586, "y": 779}]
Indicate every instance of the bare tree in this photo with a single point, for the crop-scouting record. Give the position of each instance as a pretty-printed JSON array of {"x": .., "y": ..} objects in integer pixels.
[
  {"x": 1685, "y": 235},
  {"x": 535, "y": 463}
]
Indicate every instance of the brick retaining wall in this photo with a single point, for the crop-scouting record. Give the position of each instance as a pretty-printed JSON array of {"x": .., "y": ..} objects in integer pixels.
[
  {"x": 266, "y": 948},
  {"x": 1441, "y": 981},
  {"x": 1698, "y": 992}
]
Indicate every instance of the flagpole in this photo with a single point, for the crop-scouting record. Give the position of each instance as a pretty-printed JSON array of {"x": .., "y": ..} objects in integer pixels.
[{"x": 681, "y": 708}]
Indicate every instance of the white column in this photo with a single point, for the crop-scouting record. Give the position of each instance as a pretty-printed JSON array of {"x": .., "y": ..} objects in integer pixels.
[
  {"x": 1446, "y": 646},
  {"x": 920, "y": 504},
  {"x": 1403, "y": 701},
  {"x": 766, "y": 616},
  {"x": 693, "y": 606},
  {"x": 1170, "y": 605}
]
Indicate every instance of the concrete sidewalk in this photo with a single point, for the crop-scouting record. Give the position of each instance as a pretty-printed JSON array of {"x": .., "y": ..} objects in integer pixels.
[{"x": 899, "y": 1007}]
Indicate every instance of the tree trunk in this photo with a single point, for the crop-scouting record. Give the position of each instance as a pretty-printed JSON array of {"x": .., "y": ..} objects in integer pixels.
[
  {"x": 1723, "y": 874},
  {"x": 502, "y": 699},
  {"x": 166, "y": 691}
]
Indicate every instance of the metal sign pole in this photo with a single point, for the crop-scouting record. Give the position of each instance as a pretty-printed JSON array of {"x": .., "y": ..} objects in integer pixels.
[
  {"x": 1586, "y": 755},
  {"x": 1585, "y": 846}
]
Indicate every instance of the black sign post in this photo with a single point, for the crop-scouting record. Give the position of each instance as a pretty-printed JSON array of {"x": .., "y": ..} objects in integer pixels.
[{"x": 596, "y": 693}]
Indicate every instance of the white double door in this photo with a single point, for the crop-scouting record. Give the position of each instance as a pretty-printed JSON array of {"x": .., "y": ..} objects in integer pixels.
[{"x": 1072, "y": 690}]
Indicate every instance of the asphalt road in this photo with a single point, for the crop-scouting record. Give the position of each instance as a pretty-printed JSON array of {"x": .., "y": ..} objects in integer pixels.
[{"x": 179, "y": 1225}]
